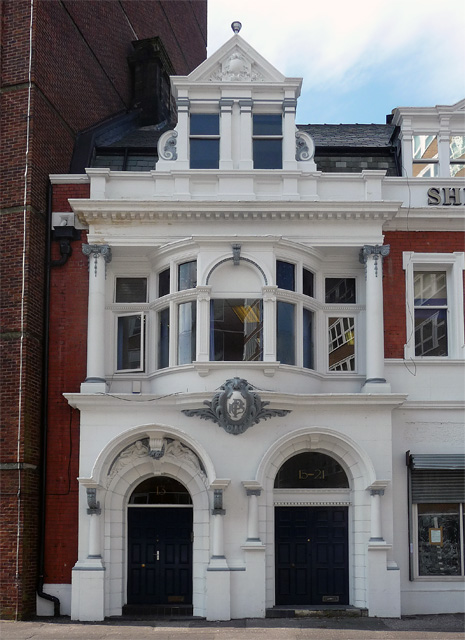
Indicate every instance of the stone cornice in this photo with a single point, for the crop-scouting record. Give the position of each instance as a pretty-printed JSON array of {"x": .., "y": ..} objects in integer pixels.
[{"x": 149, "y": 211}]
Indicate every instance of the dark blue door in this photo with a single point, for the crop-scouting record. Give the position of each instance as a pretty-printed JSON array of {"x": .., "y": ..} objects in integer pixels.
[
  {"x": 311, "y": 546},
  {"x": 159, "y": 555}
]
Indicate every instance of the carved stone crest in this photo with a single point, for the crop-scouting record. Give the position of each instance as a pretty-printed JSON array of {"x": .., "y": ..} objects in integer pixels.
[{"x": 236, "y": 407}]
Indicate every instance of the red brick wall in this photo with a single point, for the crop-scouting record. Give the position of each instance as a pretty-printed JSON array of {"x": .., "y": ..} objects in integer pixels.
[
  {"x": 79, "y": 77},
  {"x": 395, "y": 334}
]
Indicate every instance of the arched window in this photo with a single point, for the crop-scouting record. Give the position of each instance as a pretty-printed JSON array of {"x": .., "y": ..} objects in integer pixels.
[
  {"x": 311, "y": 470},
  {"x": 160, "y": 490}
]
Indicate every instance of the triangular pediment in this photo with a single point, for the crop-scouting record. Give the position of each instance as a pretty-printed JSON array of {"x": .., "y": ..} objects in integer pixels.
[{"x": 236, "y": 61}]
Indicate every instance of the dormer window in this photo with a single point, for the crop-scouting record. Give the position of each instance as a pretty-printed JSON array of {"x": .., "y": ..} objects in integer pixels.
[
  {"x": 267, "y": 141},
  {"x": 204, "y": 141}
]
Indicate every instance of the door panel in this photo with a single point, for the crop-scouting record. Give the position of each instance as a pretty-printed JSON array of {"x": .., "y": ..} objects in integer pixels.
[
  {"x": 311, "y": 549},
  {"x": 159, "y": 555}
]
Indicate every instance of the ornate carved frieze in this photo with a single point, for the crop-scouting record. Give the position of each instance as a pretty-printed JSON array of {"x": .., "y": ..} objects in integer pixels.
[
  {"x": 161, "y": 449},
  {"x": 96, "y": 250},
  {"x": 377, "y": 251},
  {"x": 236, "y": 407},
  {"x": 236, "y": 68}
]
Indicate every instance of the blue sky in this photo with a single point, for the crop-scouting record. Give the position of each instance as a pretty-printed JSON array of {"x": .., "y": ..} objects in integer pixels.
[{"x": 359, "y": 58}]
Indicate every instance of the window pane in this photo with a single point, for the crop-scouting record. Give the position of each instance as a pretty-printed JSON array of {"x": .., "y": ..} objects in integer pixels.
[
  {"x": 163, "y": 283},
  {"x": 307, "y": 283},
  {"x": 267, "y": 154},
  {"x": 163, "y": 338},
  {"x": 129, "y": 342},
  {"x": 187, "y": 275},
  {"x": 307, "y": 339},
  {"x": 341, "y": 345},
  {"x": 205, "y": 124},
  {"x": 439, "y": 551},
  {"x": 457, "y": 170},
  {"x": 430, "y": 288},
  {"x": 186, "y": 332},
  {"x": 340, "y": 290},
  {"x": 285, "y": 275},
  {"x": 430, "y": 332},
  {"x": 236, "y": 330},
  {"x": 286, "y": 333},
  {"x": 425, "y": 170},
  {"x": 457, "y": 148},
  {"x": 161, "y": 490},
  {"x": 205, "y": 153},
  {"x": 425, "y": 147},
  {"x": 311, "y": 470},
  {"x": 131, "y": 290},
  {"x": 267, "y": 125}
]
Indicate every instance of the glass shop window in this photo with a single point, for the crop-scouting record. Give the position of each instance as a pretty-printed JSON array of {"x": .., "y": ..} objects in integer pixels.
[
  {"x": 430, "y": 302},
  {"x": 187, "y": 275},
  {"x": 440, "y": 529},
  {"x": 267, "y": 141},
  {"x": 340, "y": 290},
  {"x": 130, "y": 342},
  {"x": 204, "y": 140},
  {"x": 187, "y": 326},
  {"x": 425, "y": 156},
  {"x": 341, "y": 343},
  {"x": 236, "y": 330},
  {"x": 131, "y": 290},
  {"x": 285, "y": 275},
  {"x": 164, "y": 283},
  {"x": 457, "y": 156},
  {"x": 285, "y": 329}
]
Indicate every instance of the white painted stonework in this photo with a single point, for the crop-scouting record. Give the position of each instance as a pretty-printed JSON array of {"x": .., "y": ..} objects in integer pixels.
[{"x": 365, "y": 419}]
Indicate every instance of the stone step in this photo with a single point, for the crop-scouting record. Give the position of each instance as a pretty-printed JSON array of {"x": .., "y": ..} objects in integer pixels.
[{"x": 317, "y": 611}]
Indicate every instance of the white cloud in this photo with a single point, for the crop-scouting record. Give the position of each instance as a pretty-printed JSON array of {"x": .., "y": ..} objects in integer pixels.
[{"x": 344, "y": 44}]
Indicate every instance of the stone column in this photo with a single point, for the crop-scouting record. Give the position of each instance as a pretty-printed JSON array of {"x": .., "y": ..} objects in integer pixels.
[
  {"x": 182, "y": 129},
  {"x": 203, "y": 324},
  {"x": 376, "y": 529},
  {"x": 94, "y": 512},
  {"x": 269, "y": 323},
  {"x": 372, "y": 257},
  {"x": 99, "y": 256},
  {"x": 246, "y": 157},
  {"x": 289, "y": 108},
  {"x": 253, "y": 491},
  {"x": 218, "y": 596},
  {"x": 226, "y": 161}
]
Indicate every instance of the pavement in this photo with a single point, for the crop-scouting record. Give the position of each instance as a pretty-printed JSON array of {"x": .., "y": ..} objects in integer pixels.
[{"x": 431, "y": 627}]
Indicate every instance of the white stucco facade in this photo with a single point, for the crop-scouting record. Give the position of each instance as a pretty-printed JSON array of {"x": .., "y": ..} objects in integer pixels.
[{"x": 365, "y": 418}]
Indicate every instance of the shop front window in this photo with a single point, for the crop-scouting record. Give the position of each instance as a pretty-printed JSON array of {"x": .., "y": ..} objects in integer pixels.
[{"x": 439, "y": 532}]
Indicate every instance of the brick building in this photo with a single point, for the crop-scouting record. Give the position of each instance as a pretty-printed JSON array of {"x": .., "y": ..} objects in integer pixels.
[{"x": 70, "y": 71}]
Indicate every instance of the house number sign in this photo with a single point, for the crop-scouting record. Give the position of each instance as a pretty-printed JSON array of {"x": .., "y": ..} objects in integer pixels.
[{"x": 316, "y": 474}]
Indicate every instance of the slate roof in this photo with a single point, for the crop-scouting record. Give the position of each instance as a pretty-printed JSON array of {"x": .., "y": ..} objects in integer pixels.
[{"x": 350, "y": 135}]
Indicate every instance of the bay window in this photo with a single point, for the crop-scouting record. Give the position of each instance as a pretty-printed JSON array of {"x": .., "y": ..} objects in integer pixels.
[
  {"x": 236, "y": 330},
  {"x": 130, "y": 355}
]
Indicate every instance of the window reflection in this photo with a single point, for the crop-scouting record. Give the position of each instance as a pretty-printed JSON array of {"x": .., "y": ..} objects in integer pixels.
[
  {"x": 439, "y": 550},
  {"x": 236, "y": 332},
  {"x": 187, "y": 322},
  {"x": 341, "y": 344},
  {"x": 286, "y": 333},
  {"x": 430, "y": 300}
]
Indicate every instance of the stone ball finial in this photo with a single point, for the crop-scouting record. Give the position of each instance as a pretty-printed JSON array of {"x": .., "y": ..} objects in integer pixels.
[{"x": 236, "y": 26}]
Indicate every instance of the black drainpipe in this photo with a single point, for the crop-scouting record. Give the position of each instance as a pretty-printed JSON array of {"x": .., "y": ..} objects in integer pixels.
[{"x": 64, "y": 235}]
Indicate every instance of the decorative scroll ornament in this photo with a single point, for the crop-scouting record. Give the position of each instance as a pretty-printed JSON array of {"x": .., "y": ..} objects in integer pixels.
[
  {"x": 304, "y": 147},
  {"x": 376, "y": 251},
  {"x": 167, "y": 149},
  {"x": 236, "y": 407},
  {"x": 95, "y": 250},
  {"x": 92, "y": 503}
]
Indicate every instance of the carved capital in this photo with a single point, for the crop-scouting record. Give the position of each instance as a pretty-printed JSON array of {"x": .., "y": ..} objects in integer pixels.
[
  {"x": 377, "y": 251},
  {"x": 92, "y": 503},
  {"x": 253, "y": 492},
  {"x": 376, "y": 492},
  {"x": 96, "y": 250}
]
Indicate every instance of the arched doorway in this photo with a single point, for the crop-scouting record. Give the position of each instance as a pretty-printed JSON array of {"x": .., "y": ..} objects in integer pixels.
[
  {"x": 160, "y": 536},
  {"x": 311, "y": 541}
]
